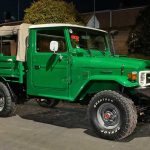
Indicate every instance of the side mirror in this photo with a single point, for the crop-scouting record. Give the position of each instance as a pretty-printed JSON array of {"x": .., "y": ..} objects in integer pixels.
[
  {"x": 54, "y": 46},
  {"x": 113, "y": 33}
]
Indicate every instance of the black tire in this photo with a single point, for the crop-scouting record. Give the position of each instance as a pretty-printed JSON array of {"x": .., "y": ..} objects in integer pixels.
[
  {"x": 7, "y": 106},
  {"x": 47, "y": 103},
  {"x": 112, "y": 116}
]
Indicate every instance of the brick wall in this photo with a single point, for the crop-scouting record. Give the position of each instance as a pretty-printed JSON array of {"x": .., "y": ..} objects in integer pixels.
[
  {"x": 120, "y": 42},
  {"x": 125, "y": 17},
  {"x": 115, "y": 18}
]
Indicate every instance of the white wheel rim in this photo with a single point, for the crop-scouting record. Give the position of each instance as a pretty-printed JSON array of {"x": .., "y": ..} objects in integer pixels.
[
  {"x": 2, "y": 103},
  {"x": 108, "y": 116}
]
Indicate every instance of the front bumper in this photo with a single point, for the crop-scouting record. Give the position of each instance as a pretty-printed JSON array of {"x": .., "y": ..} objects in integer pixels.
[{"x": 143, "y": 91}]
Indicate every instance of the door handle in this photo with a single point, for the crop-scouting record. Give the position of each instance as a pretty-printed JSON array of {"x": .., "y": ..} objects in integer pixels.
[{"x": 37, "y": 67}]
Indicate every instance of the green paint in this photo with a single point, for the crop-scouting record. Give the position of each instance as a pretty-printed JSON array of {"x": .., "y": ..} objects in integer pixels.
[{"x": 81, "y": 71}]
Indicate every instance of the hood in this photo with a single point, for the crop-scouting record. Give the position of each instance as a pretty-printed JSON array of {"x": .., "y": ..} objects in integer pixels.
[
  {"x": 131, "y": 63},
  {"x": 117, "y": 62},
  {"x": 116, "y": 65}
]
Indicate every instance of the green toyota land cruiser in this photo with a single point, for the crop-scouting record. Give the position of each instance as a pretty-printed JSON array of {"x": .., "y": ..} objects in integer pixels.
[{"x": 53, "y": 62}]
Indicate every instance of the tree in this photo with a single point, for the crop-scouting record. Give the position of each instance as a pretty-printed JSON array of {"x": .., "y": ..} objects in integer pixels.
[
  {"x": 139, "y": 37},
  {"x": 52, "y": 11}
]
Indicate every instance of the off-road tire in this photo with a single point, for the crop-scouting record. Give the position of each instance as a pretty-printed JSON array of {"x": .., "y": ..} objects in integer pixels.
[
  {"x": 127, "y": 114},
  {"x": 9, "y": 106},
  {"x": 47, "y": 103}
]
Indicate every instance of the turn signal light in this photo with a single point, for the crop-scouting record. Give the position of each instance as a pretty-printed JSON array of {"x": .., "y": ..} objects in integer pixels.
[{"x": 132, "y": 76}]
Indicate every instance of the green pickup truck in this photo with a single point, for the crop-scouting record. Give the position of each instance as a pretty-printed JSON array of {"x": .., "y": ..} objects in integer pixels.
[{"x": 54, "y": 62}]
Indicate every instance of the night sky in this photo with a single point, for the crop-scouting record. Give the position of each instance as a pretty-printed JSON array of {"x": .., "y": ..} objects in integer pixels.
[
  {"x": 87, "y": 5},
  {"x": 12, "y": 7},
  {"x": 81, "y": 5}
]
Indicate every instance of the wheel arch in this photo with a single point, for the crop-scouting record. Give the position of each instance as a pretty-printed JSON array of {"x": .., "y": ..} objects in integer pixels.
[
  {"x": 110, "y": 82},
  {"x": 95, "y": 86}
]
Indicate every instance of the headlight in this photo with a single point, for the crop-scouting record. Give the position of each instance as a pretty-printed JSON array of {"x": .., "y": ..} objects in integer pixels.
[{"x": 132, "y": 76}]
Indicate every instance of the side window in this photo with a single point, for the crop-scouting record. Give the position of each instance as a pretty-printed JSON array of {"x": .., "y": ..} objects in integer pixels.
[{"x": 44, "y": 38}]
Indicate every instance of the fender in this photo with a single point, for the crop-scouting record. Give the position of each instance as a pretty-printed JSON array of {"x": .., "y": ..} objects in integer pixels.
[{"x": 120, "y": 80}]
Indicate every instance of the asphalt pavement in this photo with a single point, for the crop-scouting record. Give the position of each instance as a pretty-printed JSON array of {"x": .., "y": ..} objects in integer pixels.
[{"x": 65, "y": 127}]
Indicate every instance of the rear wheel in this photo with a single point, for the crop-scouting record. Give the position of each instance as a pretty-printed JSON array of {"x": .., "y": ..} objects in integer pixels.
[
  {"x": 112, "y": 116},
  {"x": 7, "y": 106},
  {"x": 48, "y": 103}
]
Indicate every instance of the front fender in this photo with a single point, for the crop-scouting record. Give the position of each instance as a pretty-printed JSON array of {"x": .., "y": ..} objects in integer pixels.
[
  {"x": 119, "y": 80},
  {"x": 122, "y": 80}
]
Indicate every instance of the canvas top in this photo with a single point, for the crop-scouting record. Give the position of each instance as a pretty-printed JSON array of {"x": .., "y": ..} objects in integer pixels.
[{"x": 22, "y": 32}]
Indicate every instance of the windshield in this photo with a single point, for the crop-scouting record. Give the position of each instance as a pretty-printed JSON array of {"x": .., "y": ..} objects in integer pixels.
[{"x": 88, "y": 39}]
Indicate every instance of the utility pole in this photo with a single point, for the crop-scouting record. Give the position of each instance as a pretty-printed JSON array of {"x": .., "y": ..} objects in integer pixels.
[
  {"x": 18, "y": 10},
  {"x": 94, "y": 13}
]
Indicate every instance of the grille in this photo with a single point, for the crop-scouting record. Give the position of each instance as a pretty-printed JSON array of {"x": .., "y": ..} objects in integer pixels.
[
  {"x": 144, "y": 78},
  {"x": 148, "y": 67},
  {"x": 147, "y": 78}
]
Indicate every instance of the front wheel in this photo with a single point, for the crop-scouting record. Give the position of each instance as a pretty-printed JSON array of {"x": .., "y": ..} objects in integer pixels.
[{"x": 112, "y": 116}]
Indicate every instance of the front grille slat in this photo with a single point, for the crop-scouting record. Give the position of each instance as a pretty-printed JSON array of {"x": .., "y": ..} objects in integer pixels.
[
  {"x": 144, "y": 78},
  {"x": 147, "y": 78}
]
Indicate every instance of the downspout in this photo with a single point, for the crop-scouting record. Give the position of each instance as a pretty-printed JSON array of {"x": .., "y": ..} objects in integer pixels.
[
  {"x": 111, "y": 36},
  {"x": 94, "y": 13},
  {"x": 110, "y": 18}
]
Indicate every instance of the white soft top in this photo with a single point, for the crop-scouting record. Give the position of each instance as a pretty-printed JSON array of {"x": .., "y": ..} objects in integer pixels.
[
  {"x": 9, "y": 30},
  {"x": 22, "y": 32},
  {"x": 62, "y": 25}
]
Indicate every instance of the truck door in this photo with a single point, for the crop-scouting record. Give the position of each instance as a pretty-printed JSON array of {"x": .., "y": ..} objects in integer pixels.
[{"x": 48, "y": 72}]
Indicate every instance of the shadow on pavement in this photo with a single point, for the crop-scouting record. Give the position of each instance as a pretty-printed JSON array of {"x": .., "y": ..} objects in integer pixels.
[{"x": 71, "y": 116}]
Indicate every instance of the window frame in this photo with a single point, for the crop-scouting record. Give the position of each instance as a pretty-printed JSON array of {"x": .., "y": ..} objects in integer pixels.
[
  {"x": 49, "y": 29},
  {"x": 83, "y": 30}
]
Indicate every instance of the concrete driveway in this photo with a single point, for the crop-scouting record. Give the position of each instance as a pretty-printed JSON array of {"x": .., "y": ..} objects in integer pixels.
[{"x": 63, "y": 128}]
